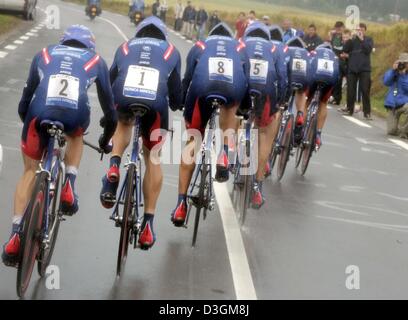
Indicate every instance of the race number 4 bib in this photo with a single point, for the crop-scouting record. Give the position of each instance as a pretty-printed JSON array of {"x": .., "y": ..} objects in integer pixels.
[
  {"x": 63, "y": 91},
  {"x": 221, "y": 69},
  {"x": 299, "y": 66},
  {"x": 259, "y": 70},
  {"x": 141, "y": 82},
  {"x": 325, "y": 66}
]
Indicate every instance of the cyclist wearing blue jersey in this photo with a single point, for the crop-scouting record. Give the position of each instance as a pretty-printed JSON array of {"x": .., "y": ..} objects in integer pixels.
[
  {"x": 146, "y": 70},
  {"x": 268, "y": 85},
  {"x": 217, "y": 67},
  {"x": 325, "y": 73},
  {"x": 299, "y": 72},
  {"x": 56, "y": 90}
]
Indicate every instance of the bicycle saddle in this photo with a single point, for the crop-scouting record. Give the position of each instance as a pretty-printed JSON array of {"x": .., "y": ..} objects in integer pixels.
[
  {"x": 49, "y": 124},
  {"x": 139, "y": 109},
  {"x": 216, "y": 99}
]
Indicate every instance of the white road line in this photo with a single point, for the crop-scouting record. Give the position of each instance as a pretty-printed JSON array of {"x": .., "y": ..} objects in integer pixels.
[
  {"x": 24, "y": 38},
  {"x": 241, "y": 272},
  {"x": 392, "y": 196},
  {"x": 116, "y": 27},
  {"x": 3, "y": 54},
  {"x": 34, "y": 30},
  {"x": 400, "y": 143},
  {"x": 357, "y": 122},
  {"x": 31, "y": 34},
  {"x": 189, "y": 41},
  {"x": 10, "y": 47},
  {"x": 18, "y": 41}
]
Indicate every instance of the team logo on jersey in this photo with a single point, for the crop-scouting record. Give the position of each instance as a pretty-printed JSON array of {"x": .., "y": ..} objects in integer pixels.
[{"x": 147, "y": 48}]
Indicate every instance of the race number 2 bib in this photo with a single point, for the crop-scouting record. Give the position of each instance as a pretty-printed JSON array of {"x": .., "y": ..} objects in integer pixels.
[
  {"x": 299, "y": 66},
  {"x": 259, "y": 70},
  {"x": 141, "y": 82},
  {"x": 221, "y": 69},
  {"x": 325, "y": 66},
  {"x": 63, "y": 91}
]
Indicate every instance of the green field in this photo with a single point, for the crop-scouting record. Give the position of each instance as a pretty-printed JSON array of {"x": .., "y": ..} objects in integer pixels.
[{"x": 7, "y": 22}]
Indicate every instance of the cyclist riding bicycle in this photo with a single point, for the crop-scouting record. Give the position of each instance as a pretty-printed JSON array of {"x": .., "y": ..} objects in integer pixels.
[
  {"x": 56, "y": 90},
  {"x": 325, "y": 72},
  {"x": 146, "y": 71},
  {"x": 217, "y": 67},
  {"x": 299, "y": 72},
  {"x": 268, "y": 82}
]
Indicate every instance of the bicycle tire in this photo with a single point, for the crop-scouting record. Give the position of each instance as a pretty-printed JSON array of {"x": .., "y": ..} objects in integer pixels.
[
  {"x": 31, "y": 235},
  {"x": 201, "y": 191},
  {"x": 124, "y": 225},
  {"x": 310, "y": 143},
  {"x": 245, "y": 198},
  {"x": 286, "y": 148},
  {"x": 54, "y": 223},
  {"x": 299, "y": 155}
]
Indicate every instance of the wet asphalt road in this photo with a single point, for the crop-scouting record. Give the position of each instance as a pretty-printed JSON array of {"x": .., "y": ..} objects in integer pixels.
[{"x": 350, "y": 209}]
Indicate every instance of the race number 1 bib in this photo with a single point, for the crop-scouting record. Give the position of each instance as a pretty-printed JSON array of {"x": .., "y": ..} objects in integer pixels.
[
  {"x": 299, "y": 65},
  {"x": 221, "y": 69},
  {"x": 141, "y": 82},
  {"x": 325, "y": 66},
  {"x": 259, "y": 70},
  {"x": 63, "y": 91}
]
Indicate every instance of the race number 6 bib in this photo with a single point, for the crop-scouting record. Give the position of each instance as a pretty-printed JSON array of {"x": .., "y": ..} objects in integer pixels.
[
  {"x": 299, "y": 65},
  {"x": 326, "y": 66},
  {"x": 141, "y": 82},
  {"x": 63, "y": 91},
  {"x": 259, "y": 70},
  {"x": 221, "y": 69}
]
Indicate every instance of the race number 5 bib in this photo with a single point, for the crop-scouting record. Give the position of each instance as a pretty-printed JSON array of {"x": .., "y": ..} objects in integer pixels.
[
  {"x": 63, "y": 91},
  {"x": 259, "y": 70},
  {"x": 221, "y": 69},
  {"x": 299, "y": 66},
  {"x": 141, "y": 82},
  {"x": 325, "y": 66}
]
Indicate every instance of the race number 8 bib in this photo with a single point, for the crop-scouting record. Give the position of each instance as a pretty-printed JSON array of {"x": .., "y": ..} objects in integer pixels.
[
  {"x": 259, "y": 70},
  {"x": 141, "y": 82},
  {"x": 63, "y": 90},
  {"x": 299, "y": 65},
  {"x": 221, "y": 69},
  {"x": 326, "y": 66}
]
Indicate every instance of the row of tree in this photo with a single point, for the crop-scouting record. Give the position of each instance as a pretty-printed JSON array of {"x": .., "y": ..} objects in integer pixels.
[{"x": 368, "y": 8}]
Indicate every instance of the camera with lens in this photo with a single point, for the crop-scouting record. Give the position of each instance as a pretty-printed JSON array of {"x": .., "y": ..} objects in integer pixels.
[{"x": 402, "y": 66}]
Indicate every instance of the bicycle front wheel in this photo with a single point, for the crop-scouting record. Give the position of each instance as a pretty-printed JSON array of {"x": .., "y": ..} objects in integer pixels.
[
  {"x": 125, "y": 227},
  {"x": 53, "y": 222},
  {"x": 31, "y": 236}
]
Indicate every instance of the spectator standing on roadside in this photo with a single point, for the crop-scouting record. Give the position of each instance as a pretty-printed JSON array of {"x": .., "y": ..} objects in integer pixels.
[
  {"x": 155, "y": 8},
  {"x": 186, "y": 14},
  {"x": 288, "y": 31},
  {"x": 240, "y": 25},
  {"x": 337, "y": 42},
  {"x": 214, "y": 20},
  {"x": 359, "y": 49},
  {"x": 163, "y": 10},
  {"x": 266, "y": 20},
  {"x": 201, "y": 23},
  {"x": 396, "y": 101},
  {"x": 251, "y": 17},
  {"x": 312, "y": 39},
  {"x": 191, "y": 22},
  {"x": 178, "y": 16}
]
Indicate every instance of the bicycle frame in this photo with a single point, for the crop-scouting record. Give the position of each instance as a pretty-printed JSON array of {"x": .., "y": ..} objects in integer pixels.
[{"x": 135, "y": 161}]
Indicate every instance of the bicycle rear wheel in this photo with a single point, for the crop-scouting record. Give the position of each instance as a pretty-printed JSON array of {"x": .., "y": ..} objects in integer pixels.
[
  {"x": 285, "y": 148},
  {"x": 201, "y": 196},
  {"x": 53, "y": 224},
  {"x": 125, "y": 227},
  {"x": 247, "y": 186},
  {"x": 309, "y": 144},
  {"x": 31, "y": 235}
]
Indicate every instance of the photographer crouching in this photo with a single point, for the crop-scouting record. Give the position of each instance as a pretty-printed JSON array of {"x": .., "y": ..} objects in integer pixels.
[{"x": 396, "y": 101}]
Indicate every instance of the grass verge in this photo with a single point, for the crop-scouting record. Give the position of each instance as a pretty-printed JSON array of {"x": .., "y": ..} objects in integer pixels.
[{"x": 7, "y": 22}]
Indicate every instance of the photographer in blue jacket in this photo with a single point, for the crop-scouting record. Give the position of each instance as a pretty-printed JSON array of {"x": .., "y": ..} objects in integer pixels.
[{"x": 396, "y": 101}]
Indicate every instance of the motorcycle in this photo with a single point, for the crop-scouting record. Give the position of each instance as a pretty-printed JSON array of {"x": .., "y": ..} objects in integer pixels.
[
  {"x": 92, "y": 11},
  {"x": 136, "y": 17}
]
